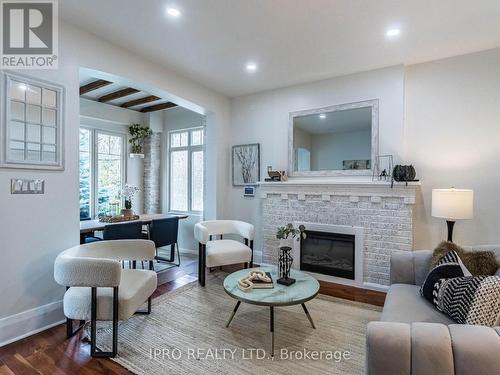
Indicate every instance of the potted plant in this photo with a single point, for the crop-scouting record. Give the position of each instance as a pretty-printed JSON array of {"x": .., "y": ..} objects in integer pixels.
[
  {"x": 128, "y": 194},
  {"x": 288, "y": 233},
  {"x": 138, "y": 134}
]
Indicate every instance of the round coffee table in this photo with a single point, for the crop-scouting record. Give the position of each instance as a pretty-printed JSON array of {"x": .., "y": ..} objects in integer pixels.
[{"x": 304, "y": 289}]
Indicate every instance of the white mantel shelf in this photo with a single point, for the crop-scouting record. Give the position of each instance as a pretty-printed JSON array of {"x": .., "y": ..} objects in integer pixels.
[{"x": 357, "y": 183}]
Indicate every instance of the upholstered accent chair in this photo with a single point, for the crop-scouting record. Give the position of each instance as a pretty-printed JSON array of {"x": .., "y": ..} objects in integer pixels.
[
  {"x": 97, "y": 288},
  {"x": 215, "y": 250}
]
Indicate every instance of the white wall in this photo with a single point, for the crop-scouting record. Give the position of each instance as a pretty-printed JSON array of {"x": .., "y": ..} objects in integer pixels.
[
  {"x": 35, "y": 228},
  {"x": 175, "y": 119},
  {"x": 116, "y": 119},
  {"x": 453, "y": 139},
  {"x": 263, "y": 118}
]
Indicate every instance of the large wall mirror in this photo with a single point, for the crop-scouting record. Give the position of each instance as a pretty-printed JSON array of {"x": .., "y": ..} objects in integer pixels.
[{"x": 334, "y": 141}]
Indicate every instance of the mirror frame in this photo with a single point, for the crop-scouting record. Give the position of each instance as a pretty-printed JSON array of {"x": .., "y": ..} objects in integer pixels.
[{"x": 373, "y": 104}]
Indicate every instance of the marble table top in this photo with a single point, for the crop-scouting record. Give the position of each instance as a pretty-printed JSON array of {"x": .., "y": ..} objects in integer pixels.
[{"x": 304, "y": 289}]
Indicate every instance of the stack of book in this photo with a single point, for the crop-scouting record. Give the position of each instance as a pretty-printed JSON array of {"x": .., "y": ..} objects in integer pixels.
[{"x": 259, "y": 284}]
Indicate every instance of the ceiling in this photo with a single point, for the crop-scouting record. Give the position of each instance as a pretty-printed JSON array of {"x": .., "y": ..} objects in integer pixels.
[
  {"x": 103, "y": 91},
  {"x": 357, "y": 119},
  {"x": 292, "y": 41}
]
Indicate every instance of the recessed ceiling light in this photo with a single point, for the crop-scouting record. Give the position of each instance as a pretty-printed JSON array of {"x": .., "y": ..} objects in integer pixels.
[
  {"x": 173, "y": 12},
  {"x": 322, "y": 115},
  {"x": 251, "y": 67},
  {"x": 391, "y": 33}
]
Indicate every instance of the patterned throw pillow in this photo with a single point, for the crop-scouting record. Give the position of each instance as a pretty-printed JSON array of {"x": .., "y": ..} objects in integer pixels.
[
  {"x": 470, "y": 299},
  {"x": 449, "y": 266}
]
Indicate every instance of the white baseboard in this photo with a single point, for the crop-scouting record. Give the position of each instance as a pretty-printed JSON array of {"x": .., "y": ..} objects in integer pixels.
[{"x": 18, "y": 326}]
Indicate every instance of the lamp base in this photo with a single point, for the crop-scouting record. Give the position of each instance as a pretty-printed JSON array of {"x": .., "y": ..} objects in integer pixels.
[{"x": 450, "y": 225}]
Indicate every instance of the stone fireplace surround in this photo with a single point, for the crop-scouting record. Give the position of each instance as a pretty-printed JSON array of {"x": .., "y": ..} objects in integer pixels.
[{"x": 383, "y": 214}]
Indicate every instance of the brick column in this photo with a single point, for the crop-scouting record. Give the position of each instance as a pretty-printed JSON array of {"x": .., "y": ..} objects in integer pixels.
[{"x": 152, "y": 164}]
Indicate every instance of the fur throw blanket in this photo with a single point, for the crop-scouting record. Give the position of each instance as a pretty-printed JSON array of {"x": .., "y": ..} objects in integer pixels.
[{"x": 477, "y": 262}]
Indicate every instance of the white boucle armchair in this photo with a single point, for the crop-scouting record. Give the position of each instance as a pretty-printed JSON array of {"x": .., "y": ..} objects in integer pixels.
[
  {"x": 220, "y": 252},
  {"x": 97, "y": 288}
]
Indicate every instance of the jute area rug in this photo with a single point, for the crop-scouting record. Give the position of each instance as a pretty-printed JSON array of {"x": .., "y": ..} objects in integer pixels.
[{"x": 185, "y": 334}]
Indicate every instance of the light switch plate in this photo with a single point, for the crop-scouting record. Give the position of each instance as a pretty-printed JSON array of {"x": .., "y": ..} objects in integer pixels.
[{"x": 27, "y": 186}]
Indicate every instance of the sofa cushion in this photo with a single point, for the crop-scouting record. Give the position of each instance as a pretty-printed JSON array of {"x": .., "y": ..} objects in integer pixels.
[
  {"x": 135, "y": 288},
  {"x": 449, "y": 266},
  {"x": 469, "y": 300},
  {"x": 404, "y": 304}
]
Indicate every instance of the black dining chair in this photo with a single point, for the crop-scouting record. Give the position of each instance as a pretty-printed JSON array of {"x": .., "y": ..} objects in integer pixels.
[
  {"x": 123, "y": 231},
  {"x": 88, "y": 238},
  {"x": 163, "y": 232}
]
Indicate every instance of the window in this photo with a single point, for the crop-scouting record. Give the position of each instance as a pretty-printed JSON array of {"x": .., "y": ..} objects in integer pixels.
[
  {"x": 186, "y": 170},
  {"x": 33, "y": 126},
  {"x": 102, "y": 166}
]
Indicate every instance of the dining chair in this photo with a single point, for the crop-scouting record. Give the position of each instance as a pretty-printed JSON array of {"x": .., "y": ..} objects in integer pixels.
[
  {"x": 123, "y": 231},
  {"x": 88, "y": 237},
  {"x": 164, "y": 232}
]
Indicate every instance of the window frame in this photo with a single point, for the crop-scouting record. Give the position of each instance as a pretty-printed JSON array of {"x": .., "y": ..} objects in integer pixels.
[
  {"x": 94, "y": 151},
  {"x": 190, "y": 149},
  {"x": 5, "y": 162}
]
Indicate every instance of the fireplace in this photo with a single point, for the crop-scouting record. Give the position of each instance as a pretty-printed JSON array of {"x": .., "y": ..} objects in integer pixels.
[{"x": 328, "y": 253}]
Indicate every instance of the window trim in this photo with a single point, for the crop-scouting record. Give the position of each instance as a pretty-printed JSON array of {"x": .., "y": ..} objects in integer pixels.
[
  {"x": 190, "y": 149},
  {"x": 94, "y": 131},
  {"x": 6, "y": 78}
]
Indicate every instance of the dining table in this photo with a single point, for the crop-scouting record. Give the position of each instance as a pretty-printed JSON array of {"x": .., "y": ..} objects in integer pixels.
[{"x": 88, "y": 227}]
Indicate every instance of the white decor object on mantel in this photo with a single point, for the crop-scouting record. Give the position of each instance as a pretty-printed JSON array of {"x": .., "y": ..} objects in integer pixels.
[{"x": 387, "y": 220}]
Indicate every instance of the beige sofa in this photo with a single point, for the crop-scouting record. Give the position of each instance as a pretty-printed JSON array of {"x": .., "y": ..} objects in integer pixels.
[{"x": 414, "y": 338}]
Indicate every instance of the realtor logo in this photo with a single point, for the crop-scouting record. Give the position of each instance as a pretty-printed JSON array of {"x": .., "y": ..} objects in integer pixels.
[{"x": 29, "y": 34}]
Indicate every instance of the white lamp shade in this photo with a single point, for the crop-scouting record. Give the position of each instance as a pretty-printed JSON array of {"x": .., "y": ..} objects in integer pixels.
[{"x": 452, "y": 204}]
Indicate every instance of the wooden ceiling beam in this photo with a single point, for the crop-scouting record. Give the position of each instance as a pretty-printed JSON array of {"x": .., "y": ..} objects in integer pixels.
[
  {"x": 158, "y": 107},
  {"x": 146, "y": 99},
  {"x": 117, "y": 94},
  {"x": 93, "y": 86}
]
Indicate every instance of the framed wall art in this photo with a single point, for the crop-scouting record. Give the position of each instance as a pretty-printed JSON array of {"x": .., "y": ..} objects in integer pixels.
[{"x": 246, "y": 164}]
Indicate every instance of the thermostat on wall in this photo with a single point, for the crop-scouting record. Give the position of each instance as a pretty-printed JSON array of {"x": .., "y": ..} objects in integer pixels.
[{"x": 249, "y": 191}]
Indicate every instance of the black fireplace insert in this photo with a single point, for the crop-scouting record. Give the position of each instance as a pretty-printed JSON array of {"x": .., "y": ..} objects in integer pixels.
[{"x": 328, "y": 253}]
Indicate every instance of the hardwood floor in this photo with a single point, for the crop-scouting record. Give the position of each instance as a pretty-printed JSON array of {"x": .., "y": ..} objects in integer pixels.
[{"x": 51, "y": 353}]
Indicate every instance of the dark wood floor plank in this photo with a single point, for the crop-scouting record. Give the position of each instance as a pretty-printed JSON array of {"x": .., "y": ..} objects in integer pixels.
[{"x": 18, "y": 365}]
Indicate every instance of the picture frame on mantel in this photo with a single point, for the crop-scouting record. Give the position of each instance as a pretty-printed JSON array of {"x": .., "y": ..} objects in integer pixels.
[{"x": 246, "y": 164}]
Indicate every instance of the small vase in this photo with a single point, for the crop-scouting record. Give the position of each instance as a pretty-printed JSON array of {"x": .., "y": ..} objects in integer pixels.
[{"x": 127, "y": 212}]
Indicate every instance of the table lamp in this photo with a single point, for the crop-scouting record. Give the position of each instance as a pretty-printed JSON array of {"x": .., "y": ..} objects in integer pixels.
[{"x": 452, "y": 204}]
